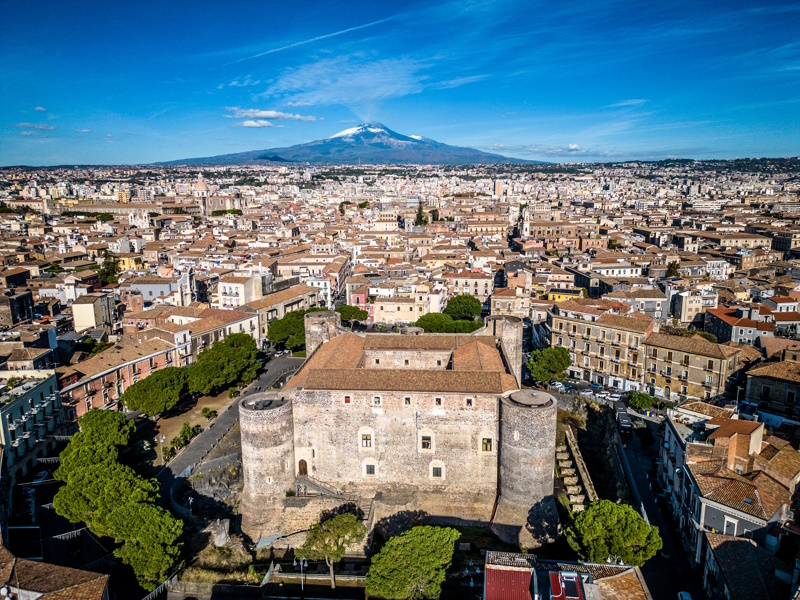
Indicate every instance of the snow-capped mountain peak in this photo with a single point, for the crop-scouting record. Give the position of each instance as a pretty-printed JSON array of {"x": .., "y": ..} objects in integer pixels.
[{"x": 360, "y": 129}]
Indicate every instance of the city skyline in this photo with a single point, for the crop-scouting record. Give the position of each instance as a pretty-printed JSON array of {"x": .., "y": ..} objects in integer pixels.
[{"x": 105, "y": 84}]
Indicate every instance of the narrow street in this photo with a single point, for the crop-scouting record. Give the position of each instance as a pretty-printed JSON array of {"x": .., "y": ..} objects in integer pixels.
[{"x": 664, "y": 576}]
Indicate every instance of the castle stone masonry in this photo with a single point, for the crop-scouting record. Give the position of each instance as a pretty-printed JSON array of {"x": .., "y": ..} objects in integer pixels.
[{"x": 402, "y": 424}]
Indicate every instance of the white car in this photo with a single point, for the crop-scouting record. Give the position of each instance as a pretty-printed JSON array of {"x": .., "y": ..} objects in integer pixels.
[
  {"x": 615, "y": 397},
  {"x": 602, "y": 394},
  {"x": 587, "y": 394}
]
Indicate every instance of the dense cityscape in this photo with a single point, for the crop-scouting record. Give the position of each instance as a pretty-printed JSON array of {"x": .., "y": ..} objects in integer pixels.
[{"x": 273, "y": 378}]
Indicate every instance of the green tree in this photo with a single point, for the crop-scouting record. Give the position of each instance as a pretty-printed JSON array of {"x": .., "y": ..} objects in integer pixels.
[
  {"x": 350, "y": 313},
  {"x": 463, "y": 306},
  {"x": 442, "y": 323},
  {"x": 364, "y": 204},
  {"x": 208, "y": 414},
  {"x": 413, "y": 565},
  {"x": 227, "y": 362},
  {"x": 550, "y": 363},
  {"x": 157, "y": 393},
  {"x": 327, "y": 540},
  {"x": 609, "y": 529},
  {"x": 113, "y": 500},
  {"x": 290, "y": 330},
  {"x": 709, "y": 336},
  {"x": 151, "y": 537},
  {"x": 94, "y": 492},
  {"x": 105, "y": 217},
  {"x": 673, "y": 269},
  {"x": 420, "y": 218},
  {"x": 110, "y": 269},
  {"x": 434, "y": 215},
  {"x": 641, "y": 401}
]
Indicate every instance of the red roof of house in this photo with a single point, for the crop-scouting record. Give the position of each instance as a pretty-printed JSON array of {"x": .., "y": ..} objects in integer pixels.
[{"x": 508, "y": 584}]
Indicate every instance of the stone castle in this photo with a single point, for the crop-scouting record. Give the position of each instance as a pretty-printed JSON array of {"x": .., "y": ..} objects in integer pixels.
[{"x": 404, "y": 427}]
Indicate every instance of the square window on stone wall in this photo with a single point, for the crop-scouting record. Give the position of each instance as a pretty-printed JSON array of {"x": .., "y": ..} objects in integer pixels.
[
  {"x": 347, "y": 399},
  {"x": 438, "y": 363},
  {"x": 426, "y": 442},
  {"x": 486, "y": 445},
  {"x": 370, "y": 469},
  {"x": 377, "y": 400},
  {"x": 437, "y": 472},
  {"x": 407, "y": 401},
  {"x": 406, "y": 362},
  {"x": 469, "y": 402},
  {"x": 438, "y": 401}
]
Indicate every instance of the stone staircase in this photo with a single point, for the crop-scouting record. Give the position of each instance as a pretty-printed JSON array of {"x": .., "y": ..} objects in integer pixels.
[{"x": 308, "y": 486}]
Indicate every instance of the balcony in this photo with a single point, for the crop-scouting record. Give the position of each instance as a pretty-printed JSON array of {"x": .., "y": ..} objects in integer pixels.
[
  {"x": 683, "y": 376},
  {"x": 708, "y": 383}
]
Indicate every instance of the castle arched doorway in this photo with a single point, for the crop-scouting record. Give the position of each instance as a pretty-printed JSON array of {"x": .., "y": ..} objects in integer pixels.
[{"x": 302, "y": 467}]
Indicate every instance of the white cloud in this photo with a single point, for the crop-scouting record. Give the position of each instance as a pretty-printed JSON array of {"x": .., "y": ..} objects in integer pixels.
[
  {"x": 83, "y": 131},
  {"x": 629, "y": 103},
  {"x": 359, "y": 79},
  {"x": 255, "y": 113},
  {"x": 37, "y": 126},
  {"x": 298, "y": 104},
  {"x": 40, "y": 109},
  {"x": 247, "y": 82},
  {"x": 256, "y": 123}
]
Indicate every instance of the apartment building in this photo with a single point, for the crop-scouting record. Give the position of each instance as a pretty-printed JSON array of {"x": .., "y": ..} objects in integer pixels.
[
  {"x": 606, "y": 347},
  {"x": 684, "y": 368},
  {"x": 100, "y": 381},
  {"x": 474, "y": 282},
  {"x": 511, "y": 301},
  {"x": 30, "y": 415},
  {"x": 95, "y": 311},
  {"x": 279, "y": 304}
]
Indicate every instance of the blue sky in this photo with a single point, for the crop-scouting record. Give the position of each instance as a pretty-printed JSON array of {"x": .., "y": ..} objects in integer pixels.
[{"x": 123, "y": 82}]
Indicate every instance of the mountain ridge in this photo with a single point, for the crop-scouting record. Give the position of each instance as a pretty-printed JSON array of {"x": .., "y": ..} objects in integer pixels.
[{"x": 371, "y": 143}]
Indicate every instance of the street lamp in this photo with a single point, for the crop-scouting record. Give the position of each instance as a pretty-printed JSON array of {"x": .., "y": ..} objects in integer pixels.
[
  {"x": 303, "y": 565},
  {"x": 614, "y": 559},
  {"x": 161, "y": 439}
]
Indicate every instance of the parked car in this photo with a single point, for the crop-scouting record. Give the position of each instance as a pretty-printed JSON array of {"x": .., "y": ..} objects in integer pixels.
[
  {"x": 595, "y": 386},
  {"x": 558, "y": 387},
  {"x": 615, "y": 397},
  {"x": 587, "y": 394}
]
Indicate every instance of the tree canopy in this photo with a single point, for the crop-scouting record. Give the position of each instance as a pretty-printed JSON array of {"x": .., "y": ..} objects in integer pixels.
[
  {"x": 413, "y": 565},
  {"x": 550, "y": 363},
  {"x": 158, "y": 392},
  {"x": 442, "y": 323},
  {"x": 641, "y": 401},
  {"x": 673, "y": 269},
  {"x": 290, "y": 330},
  {"x": 329, "y": 539},
  {"x": 227, "y": 362},
  {"x": 420, "y": 218},
  {"x": 350, "y": 313},
  {"x": 463, "y": 306},
  {"x": 110, "y": 269},
  {"x": 115, "y": 501},
  {"x": 608, "y": 529}
]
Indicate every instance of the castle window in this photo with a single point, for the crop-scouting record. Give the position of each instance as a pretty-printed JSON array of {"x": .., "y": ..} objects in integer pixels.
[
  {"x": 370, "y": 470},
  {"x": 426, "y": 442},
  {"x": 486, "y": 444},
  {"x": 377, "y": 400},
  {"x": 366, "y": 440},
  {"x": 438, "y": 401},
  {"x": 406, "y": 362},
  {"x": 407, "y": 400},
  {"x": 436, "y": 470},
  {"x": 377, "y": 361},
  {"x": 469, "y": 402},
  {"x": 347, "y": 399},
  {"x": 438, "y": 363}
]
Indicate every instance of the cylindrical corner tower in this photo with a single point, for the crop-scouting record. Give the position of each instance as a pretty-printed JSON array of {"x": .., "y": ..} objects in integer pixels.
[
  {"x": 321, "y": 326},
  {"x": 527, "y": 446},
  {"x": 267, "y": 460},
  {"x": 509, "y": 330}
]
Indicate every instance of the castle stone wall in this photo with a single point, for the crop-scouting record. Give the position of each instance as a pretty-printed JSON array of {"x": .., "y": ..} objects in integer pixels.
[{"x": 328, "y": 432}]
